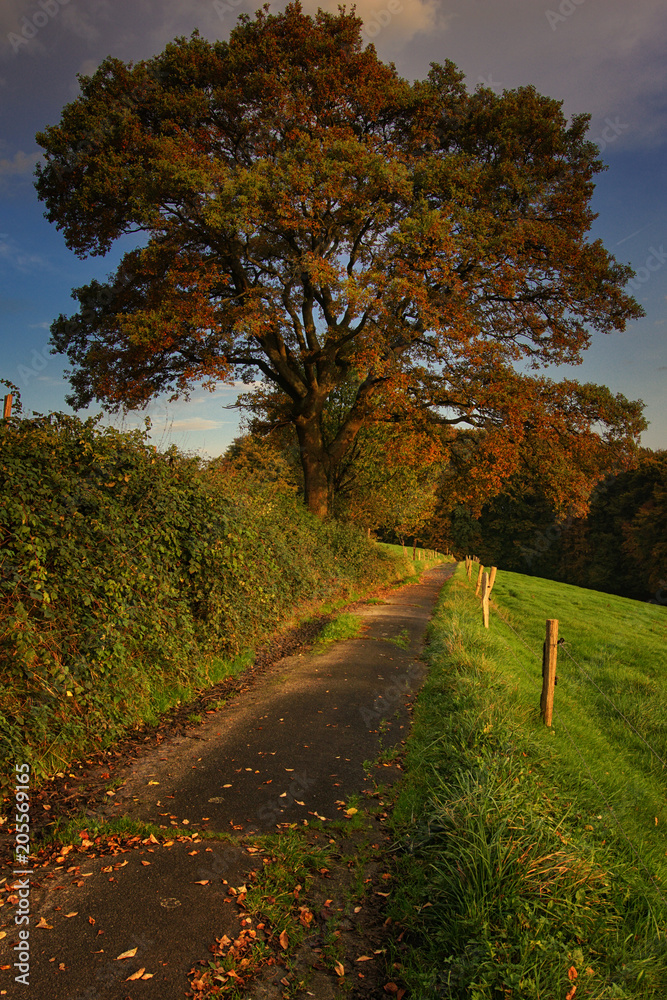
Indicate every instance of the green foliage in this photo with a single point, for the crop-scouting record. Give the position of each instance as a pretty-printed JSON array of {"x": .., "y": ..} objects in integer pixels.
[
  {"x": 513, "y": 869},
  {"x": 344, "y": 626},
  {"x": 127, "y": 574}
]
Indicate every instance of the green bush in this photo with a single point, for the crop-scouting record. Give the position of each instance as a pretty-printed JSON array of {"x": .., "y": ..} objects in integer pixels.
[{"x": 125, "y": 572}]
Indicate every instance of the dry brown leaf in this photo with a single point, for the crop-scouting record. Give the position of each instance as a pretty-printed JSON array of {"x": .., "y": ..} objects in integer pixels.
[
  {"x": 568, "y": 996},
  {"x": 43, "y": 923},
  {"x": 74, "y": 914},
  {"x": 572, "y": 973},
  {"x": 91, "y": 921},
  {"x": 135, "y": 975},
  {"x": 340, "y": 969},
  {"x": 149, "y": 975},
  {"x": 203, "y": 881},
  {"x": 127, "y": 954},
  {"x": 284, "y": 939},
  {"x": 364, "y": 958}
]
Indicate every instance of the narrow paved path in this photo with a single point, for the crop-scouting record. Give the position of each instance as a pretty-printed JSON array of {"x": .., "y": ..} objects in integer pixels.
[{"x": 290, "y": 750}]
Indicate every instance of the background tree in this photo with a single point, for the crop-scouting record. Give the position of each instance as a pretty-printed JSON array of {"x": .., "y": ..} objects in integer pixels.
[{"x": 307, "y": 216}]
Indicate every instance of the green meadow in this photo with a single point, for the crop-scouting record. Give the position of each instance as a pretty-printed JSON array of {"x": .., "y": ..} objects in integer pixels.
[{"x": 533, "y": 859}]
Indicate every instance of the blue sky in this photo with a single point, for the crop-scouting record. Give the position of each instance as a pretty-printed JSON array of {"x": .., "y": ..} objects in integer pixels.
[{"x": 605, "y": 58}]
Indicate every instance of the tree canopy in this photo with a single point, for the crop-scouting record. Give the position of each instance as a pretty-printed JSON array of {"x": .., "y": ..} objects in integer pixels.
[{"x": 307, "y": 217}]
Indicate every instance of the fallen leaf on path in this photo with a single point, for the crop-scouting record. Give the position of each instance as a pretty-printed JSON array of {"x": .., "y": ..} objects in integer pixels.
[
  {"x": 144, "y": 863},
  {"x": 149, "y": 975},
  {"x": 284, "y": 939},
  {"x": 74, "y": 914},
  {"x": 364, "y": 958},
  {"x": 203, "y": 881},
  {"x": 351, "y": 811},
  {"x": 43, "y": 923},
  {"x": 136, "y": 975},
  {"x": 127, "y": 954},
  {"x": 340, "y": 969}
]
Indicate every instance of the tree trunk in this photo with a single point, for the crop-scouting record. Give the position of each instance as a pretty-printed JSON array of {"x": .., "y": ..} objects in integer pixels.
[{"x": 314, "y": 462}]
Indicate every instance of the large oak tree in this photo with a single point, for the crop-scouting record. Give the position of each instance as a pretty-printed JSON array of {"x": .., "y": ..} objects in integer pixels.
[{"x": 308, "y": 217}]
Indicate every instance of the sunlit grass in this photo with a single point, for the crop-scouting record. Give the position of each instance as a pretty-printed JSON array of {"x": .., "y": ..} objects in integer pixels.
[{"x": 533, "y": 859}]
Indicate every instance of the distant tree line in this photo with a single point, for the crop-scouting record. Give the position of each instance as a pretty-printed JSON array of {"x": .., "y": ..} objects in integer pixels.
[{"x": 619, "y": 545}]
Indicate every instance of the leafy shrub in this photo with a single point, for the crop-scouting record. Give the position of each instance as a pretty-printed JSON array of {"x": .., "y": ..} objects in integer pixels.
[{"x": 124, "y": 571}]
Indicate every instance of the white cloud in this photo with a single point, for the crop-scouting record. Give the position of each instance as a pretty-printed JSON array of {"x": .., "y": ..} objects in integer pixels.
[
  {"x": 15, "y": 257},
  {"x": 194, "y": 424},
  {"x": 22, "y": 164}
]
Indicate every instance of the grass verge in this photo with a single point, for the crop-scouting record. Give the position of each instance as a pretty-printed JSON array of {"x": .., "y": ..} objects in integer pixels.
[{"x": 532, "y": 860}]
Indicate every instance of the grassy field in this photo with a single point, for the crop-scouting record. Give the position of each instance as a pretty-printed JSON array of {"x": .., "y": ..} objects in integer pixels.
[{"x": 534, "y": 860}]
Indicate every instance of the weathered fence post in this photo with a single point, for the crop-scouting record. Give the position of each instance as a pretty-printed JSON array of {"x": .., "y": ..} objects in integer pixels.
[
  {"x": 485, "y": 599},
  {"x": 492, "y": 578},
  {"x": 469, "y": 567},
  {"x": 549, "y": 654},
  {"x": 479, "y": 579},
  {"x": 7, "y": 409}
]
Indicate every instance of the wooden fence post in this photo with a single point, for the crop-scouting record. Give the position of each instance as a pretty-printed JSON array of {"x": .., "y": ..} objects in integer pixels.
[
  {"x": 485, "y": 599},
  {"x": 469, "y": 567},
  {"x": 7, "y": 409},
  {"x": 549, "y": 654},
  {"x": 492, "y": 578},
  {"x": 479, "y": 579}
]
